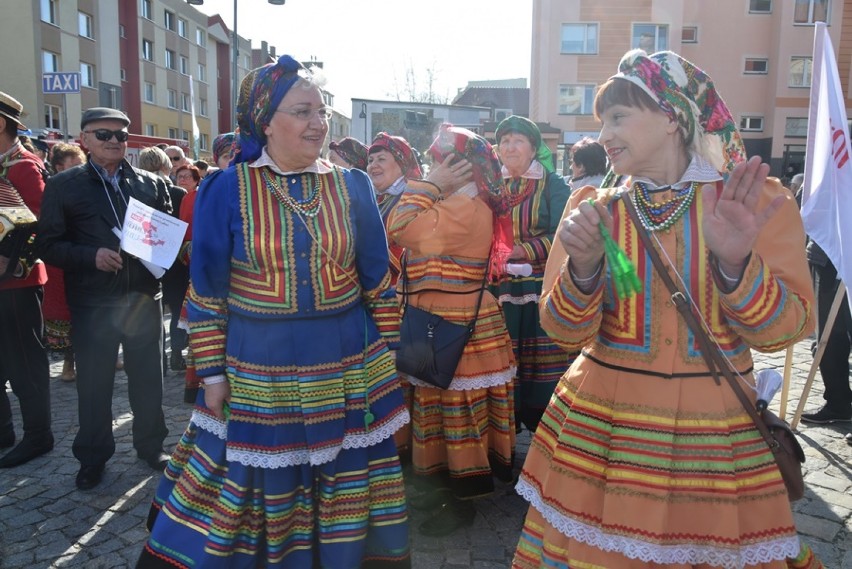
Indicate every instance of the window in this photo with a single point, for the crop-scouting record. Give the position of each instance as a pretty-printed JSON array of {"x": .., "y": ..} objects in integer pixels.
[
  {"x": 173, "y": 132},
  {"x": 50, "y": 11},
  {"x": 800, "y": 72},
  {"x": 87, "y": 74},
  {"x": 147, "y": 50},
  {"x": 182, "y": 27},
  {"x": 760, "y": 6},
  {"x": 185, "y": 103},
  {"x": 172, "y": 99},
  {"x": 752, "y": 124},
  {"x": 147, "y": 12},
  {"x": 150, "y": 129},
  {"x": 579, "y": 38},
  {"x": 796, "y": 127},
  {"x": 123, "y": 73},
  {"x": 85, "y": 25},
  {"x": 650, "y": 37},
  {"x": 52, "y": 117},
  {"x": 184, "y": 134},
  {"x": 122, "y": 32},
  {"x": 169, "y": 20},
  {"x": 149, "y": 93},
  {"x": 756, "y": 66},
  {"x": 204, "y": 138},
  {"x": 247, "y": 61},
  {"x": 184, "y": 65},
  {"x": 810, "y": 11},
  {"x": 689, "y": 34},
  {"x": 576, "y": 99},
  {"x": 202, "y": 107},
  {"x": 200, "y": 37},
  {"x": 171, "y": 60},
  {"x": 50, "y": 62},
  {"x": 202, "y": 72}
]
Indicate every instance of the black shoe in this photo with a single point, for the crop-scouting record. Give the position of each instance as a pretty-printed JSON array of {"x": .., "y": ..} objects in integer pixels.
[
  {"x": 157, "y": 461},
  {"x": 177, "y": 362},
  {"x": 849, "y": 439},
  {"x": 7, "y": 440},
  {"x": 90, "y": 476},
  {"x": 29, "y": 448},
  {"x": 826, "y": 415},
  {"x": 453, "y": 515},
  {"x": 430, "y": 499}
]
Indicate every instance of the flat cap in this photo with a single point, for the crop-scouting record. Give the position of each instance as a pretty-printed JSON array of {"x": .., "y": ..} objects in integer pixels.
[{"x": 103, "y": 113}]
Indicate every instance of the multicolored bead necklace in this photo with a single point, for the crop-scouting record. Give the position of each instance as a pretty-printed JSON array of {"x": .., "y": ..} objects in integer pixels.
[
  {"x": 661, "y": 216},
  {"x": 309, "y": 207}
]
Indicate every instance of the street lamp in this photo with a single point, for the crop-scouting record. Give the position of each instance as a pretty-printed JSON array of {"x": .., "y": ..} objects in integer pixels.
[
  {"x": 236, "y": 48},
  {"x": 363, "y": 115}
]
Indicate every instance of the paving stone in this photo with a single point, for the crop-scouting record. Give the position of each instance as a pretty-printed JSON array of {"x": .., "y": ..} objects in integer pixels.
[{"x": 823, "y": 529}]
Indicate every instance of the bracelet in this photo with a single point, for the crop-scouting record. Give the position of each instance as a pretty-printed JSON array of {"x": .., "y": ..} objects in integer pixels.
[
  {"x": 214, "y": 379},
  {"x": 731, "y": 281},
  {"x": 587, "y": 280}
]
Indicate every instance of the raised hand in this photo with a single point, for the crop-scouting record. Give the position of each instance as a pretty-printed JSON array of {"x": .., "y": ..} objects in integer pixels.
[
  {"x": 581, "y": 237},
  {"x": 731, "y": 221}
]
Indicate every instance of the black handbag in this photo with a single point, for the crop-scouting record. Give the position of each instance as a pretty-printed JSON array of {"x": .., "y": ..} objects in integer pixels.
[
  {"x": 431, "y": 347},
  {"x": 788, "y": 453}
]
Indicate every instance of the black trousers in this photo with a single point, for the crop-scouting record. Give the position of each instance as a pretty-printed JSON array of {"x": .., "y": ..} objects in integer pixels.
[
  {"x": 23, "y": 360},
  {"x": 96, "y": 332},
  {"x": 834, "y": 366}
]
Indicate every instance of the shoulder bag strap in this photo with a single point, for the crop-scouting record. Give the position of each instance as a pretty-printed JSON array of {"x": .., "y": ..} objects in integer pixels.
[{"x": 709, "y": 350}]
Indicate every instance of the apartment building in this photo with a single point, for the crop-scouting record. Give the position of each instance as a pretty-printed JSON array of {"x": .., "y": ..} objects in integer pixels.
[
  {"x": 758, "y": 52},
  {"x": 135, "y": 55}
]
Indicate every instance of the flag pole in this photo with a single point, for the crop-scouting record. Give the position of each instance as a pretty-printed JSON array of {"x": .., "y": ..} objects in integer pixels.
[
  {"x": 785, "y": 384},
  {"x": 823, "y": 340}
]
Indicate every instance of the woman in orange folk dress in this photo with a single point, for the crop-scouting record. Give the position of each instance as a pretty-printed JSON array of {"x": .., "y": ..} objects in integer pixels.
[
  {"x": 641, "y": 458},
  {"x": 464, "y": 435}
]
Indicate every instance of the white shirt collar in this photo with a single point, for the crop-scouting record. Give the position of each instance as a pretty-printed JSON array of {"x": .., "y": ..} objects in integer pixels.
[
  {"x": 699, "y": 170},
  {"x": 396, "y": 188},
  {"x": 535, "y": 171},
  {"x": 319, "y": 166}
]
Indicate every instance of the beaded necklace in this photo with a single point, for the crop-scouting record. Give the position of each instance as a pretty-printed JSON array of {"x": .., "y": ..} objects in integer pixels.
[
  {"x": 661, "y": 216},
  {"x": 309, "y": 207}
]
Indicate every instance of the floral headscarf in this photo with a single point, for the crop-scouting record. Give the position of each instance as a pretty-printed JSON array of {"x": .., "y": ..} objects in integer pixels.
[
  {"x": 526, "y": 127},
  {"x": 687, "y": 94},
  {"x": 351, "y": 150},
  {"x": 402, "y": 153},
  {"x": 487, "y": 176},
  {"x": 260, "y": 94},
  {"x": 222, "y": 145}
]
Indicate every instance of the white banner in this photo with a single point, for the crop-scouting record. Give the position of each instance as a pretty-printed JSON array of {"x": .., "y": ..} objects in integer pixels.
[{"x": 151, "y": 236}]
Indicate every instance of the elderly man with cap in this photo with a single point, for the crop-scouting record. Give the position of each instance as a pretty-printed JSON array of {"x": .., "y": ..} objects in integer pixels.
[
  {"x": 23, "y": 359},
  {"x": 113, "y": 298}
]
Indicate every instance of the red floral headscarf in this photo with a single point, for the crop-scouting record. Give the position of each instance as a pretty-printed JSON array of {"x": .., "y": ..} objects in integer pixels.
[{"x": 402, "y": 153}]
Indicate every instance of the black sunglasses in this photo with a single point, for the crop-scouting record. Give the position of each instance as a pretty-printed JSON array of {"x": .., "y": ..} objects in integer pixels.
[
  {"x": 105, "y": 134},
  {"x": 174, "y": 158}
]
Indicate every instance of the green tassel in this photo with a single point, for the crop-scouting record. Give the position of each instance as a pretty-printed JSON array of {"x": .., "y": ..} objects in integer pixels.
[{"x": 623, "y": 272}]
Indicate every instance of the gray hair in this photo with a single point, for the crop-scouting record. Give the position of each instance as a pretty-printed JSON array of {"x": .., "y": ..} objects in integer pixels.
[
  {"x": 796, "y": 182},
  {"x": 155, "y": 160},
  {"x": 177, "y": 149}
]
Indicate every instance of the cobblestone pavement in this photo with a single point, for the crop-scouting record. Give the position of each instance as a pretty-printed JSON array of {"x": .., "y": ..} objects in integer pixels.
[{"x": 46, "y": 522}]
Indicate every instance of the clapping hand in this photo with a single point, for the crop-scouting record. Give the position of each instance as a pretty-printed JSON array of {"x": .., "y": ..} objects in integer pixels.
[
  {"x": 581, "y": 237},
  {"x": 731, "y": 221},
  {"x": 451, "y": 174}
]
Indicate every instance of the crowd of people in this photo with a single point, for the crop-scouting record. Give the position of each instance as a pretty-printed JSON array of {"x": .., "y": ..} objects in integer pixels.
[{"x": 295, "y": 278}]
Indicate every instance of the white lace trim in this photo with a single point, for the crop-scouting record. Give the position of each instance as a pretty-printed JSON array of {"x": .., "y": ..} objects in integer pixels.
[
  {"x": 183, "y": 324},
  {"x": 315, "y": 458},
  {"x": 468, "y": 383},
  {"x": 755, "y": 554},
  {"x": 526, "y": 299},
  {"x": 210, "y": 424}
]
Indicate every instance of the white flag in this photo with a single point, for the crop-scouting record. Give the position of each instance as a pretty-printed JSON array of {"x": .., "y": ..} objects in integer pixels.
[
  {"x": 196, "y": 132},
  {"x": 827, "y": 187}
]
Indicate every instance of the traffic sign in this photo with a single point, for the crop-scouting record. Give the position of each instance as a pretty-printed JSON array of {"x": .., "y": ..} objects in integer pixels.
[{"x": 60, "y": 82}]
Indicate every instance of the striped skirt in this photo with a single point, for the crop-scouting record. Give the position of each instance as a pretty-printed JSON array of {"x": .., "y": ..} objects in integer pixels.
[{"x": 631, "y": 471}]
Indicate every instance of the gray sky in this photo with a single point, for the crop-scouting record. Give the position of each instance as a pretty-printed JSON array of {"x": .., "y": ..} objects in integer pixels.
[{"x": 366, "y": 46}]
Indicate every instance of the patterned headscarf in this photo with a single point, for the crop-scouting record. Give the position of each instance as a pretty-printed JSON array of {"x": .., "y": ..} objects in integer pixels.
[
  {"x": 526, "y": 127},
  {"x": 351, "y": 150},
  {"x": 687, "y": 94},
  {"x": 487, "y": 176},
  {"x": 260, "y": 94},
  {"x": 222, "y": 145},
  {"x": 402, "y": 153}
]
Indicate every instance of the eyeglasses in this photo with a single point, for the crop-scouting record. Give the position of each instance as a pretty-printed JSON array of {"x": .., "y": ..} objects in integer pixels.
[
  {"x": 307, "y": 113},
  {"x": 105, "y": 134},
  {"x": 175, "y": 158}
]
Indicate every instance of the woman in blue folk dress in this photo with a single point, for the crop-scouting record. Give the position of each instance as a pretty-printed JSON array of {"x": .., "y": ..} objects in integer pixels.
[{"x": 288, "y": 460}]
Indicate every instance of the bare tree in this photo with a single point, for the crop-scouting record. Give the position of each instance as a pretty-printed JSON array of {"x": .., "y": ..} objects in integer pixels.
[{"x": 412, "y": 89}]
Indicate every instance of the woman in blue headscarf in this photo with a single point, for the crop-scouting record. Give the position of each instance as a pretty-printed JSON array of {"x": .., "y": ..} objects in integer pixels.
[{"x": 288, "y": 460}]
